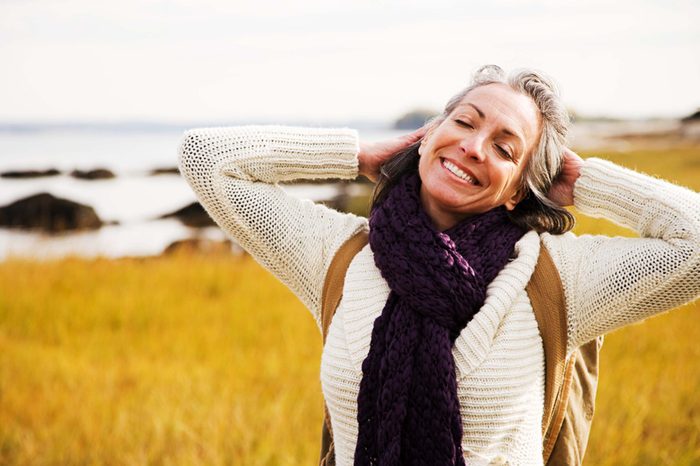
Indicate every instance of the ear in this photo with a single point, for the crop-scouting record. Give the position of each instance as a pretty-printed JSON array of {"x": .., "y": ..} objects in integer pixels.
[
  {"x": 433, "y": 125},
  {"x": 426, "y": 136},
  {"x": 515, "y": 199}
]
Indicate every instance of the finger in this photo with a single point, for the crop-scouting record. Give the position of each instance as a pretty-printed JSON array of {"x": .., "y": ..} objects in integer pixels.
[
  {"x": 417, "y": 134},
  {"x": 425, "y": 127},
  {"x": 569, "y": 153}
]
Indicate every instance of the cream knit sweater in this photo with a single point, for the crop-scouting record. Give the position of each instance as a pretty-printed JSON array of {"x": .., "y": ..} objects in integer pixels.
[{"x": 608, "y": 282}]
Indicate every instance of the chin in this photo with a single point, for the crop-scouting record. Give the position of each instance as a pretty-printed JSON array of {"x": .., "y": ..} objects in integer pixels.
[
  {"x": 444, "y": 196},
  {"x": 444, "y": 200}
]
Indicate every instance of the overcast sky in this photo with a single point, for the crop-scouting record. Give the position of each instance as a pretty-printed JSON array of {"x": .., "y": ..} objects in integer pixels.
[{"x": 189, "y": 60}]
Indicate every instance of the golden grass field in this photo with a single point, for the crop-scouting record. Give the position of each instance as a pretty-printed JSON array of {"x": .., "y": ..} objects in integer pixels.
[{"x": 193, "y": 359}]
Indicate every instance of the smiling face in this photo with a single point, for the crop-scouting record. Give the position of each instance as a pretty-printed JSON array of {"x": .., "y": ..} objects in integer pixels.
[{"x": 474, "y": 159}]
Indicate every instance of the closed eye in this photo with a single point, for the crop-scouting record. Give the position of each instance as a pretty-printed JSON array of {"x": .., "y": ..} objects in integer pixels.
[
  {"x": 464, "y": 123},
  {"x": 504, "y": 152}
]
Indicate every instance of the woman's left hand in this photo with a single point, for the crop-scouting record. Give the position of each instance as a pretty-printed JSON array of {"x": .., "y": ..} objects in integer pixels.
[
  {"x": 562, "y": 190},
  {"x": 373, "y": 154}
]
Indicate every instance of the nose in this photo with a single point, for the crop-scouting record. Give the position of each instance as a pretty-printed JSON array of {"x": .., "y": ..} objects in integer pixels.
[{"x": 473, "y": 147}]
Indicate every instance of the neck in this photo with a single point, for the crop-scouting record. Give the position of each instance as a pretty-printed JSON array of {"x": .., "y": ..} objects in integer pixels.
[{"x": 442, "y": 220}]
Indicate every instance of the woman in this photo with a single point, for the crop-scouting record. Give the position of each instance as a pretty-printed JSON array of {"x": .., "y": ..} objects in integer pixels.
[{"x": 434, "y": 355}]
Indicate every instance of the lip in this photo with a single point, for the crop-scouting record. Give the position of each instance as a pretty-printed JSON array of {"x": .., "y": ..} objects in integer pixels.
[{"x": 464, "y": 169}]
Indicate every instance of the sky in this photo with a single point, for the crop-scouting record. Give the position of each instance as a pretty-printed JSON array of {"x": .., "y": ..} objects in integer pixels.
[{"x": 310, "y": 60}]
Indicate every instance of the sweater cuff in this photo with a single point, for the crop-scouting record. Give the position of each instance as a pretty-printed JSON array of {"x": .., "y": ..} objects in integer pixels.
[
  {"x": 273, "y": 153},
  {"x": 318, "y": 152},
  {"x": 607, "y": 190}
]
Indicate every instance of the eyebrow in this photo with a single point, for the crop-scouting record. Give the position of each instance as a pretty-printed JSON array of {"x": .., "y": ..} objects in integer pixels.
[{"x": 505, "y": 130}]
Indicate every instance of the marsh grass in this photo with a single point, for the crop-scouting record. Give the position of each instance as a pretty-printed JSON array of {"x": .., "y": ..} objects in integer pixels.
[
  {"x": 174, "y": 360},
  {"x": 190, "y": 359}
]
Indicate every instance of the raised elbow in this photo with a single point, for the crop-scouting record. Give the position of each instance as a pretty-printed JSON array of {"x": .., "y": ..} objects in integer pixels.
[
  {"x": 188, "y": 151},
  {"x": 197, "y": 157}
]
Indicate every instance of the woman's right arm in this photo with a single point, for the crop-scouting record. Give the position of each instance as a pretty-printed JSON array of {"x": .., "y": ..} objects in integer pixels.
[
  {"x": 234, "y": 173},
  {"x": 611, "y": 282}
]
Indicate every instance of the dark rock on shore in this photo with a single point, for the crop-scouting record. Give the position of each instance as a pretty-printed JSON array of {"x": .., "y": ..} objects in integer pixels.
[
  {"x": 350, "y": 199},
  {"x": 48, "y": 213},
  {"x": 414, "y": 119},
  {"x": 339, "y": 203},
  {"x": 202, "y": 246},
  {"x": 96, "y": 174},
  {"x": 192, "y": 215},
  {"x": 30, "y": 173},
  {"x": 165, "y": 171},
  {"x": 692, "y": 117}
]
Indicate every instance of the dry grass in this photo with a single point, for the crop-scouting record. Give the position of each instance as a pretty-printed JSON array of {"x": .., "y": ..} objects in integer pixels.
[
  {"x": 177, "y": 360},
  {"x": 198, "y": 360}
]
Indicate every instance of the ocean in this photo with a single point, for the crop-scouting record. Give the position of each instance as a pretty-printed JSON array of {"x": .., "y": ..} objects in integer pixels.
[{"x": 134, "y": 198}]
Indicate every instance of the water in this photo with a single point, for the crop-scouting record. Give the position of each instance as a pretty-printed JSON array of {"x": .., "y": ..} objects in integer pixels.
[{"x": 134, "y": 198}]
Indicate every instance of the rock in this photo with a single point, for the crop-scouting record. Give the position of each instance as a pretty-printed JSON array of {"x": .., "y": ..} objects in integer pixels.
[
  {"x": 96, "y": 174},
  {"x": 202, "y": 246},
  {"x": 46, "y": 212},
  {"x": 165, "y": 171},
  {"x": 339, "y": 203},
  {"x": 414, "y": 119},
  {"x": 692, "y": 117},
  {"x": 192, "y": 215},
  {"x": 30, "y": 173}
]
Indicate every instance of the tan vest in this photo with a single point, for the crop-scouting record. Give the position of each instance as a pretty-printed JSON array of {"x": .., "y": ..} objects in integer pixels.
[{"x": 570, "y": 385}]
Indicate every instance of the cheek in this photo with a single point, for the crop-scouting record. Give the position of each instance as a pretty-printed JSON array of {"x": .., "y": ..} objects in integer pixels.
[
  {"x": 423, "y": 165},
  {"x": 511, "y": 182},
  {"x": 430, "y": 171},
  {"x": 430, "y": 181},
  {"x": 511, "y": 176}
]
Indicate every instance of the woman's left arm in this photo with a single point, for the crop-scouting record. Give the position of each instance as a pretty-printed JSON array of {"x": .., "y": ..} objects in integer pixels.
[{"x": 610, "y": 282}]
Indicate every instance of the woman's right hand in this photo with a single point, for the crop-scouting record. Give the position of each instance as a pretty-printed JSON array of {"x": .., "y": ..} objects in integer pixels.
[
  {"x": 562, "y": 190},
  {"x": 373, "y": 154}
]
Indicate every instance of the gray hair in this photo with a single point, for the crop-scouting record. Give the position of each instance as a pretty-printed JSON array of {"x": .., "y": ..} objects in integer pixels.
[{"x": 535, "y": 210}]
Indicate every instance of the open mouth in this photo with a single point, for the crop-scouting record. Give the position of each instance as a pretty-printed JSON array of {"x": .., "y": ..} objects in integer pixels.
[{"x": 458, "y": 172}]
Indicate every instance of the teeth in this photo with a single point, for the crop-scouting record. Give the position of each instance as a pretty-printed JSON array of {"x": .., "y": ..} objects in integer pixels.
[{"x": 457, "y": 171}]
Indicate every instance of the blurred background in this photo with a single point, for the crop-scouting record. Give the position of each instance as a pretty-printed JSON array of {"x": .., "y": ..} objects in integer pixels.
[{"x": 132, "y": 331}]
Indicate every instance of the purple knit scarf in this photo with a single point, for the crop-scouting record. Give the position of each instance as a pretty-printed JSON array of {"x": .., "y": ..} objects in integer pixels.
[{"x": 408, "y": 410}]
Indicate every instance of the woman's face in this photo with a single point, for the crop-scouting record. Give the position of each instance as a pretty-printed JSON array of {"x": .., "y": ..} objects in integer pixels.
[{"x": 473, "y": 160}]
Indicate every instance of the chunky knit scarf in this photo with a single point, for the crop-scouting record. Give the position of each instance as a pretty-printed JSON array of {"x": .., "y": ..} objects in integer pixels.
[{"x": 408, "y": 410}]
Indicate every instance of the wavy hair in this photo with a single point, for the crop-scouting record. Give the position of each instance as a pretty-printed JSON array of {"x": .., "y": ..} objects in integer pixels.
[{"x": 535, "y": 210}]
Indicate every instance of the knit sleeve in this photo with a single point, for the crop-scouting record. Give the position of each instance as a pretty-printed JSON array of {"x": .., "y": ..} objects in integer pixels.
[
  {"x": 234, "y": 173},
  {"x": 610, "y": 282}
]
